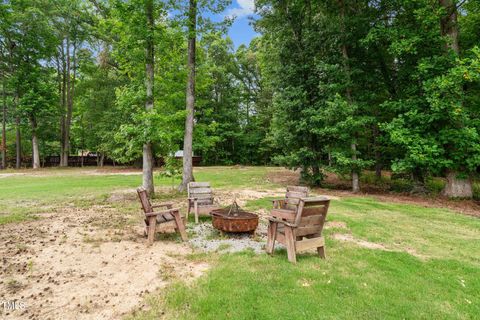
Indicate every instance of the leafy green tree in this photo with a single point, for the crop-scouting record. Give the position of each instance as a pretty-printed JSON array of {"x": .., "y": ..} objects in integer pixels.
[
  {"x": 72, "y": 26},
  {"x": 154, "y": 124},
  {"x": 32, "y": 43},
  {"x": 320, "y": 111},
  {"x": 94, "y": 116},
  {"x": 436, "y": 121}
]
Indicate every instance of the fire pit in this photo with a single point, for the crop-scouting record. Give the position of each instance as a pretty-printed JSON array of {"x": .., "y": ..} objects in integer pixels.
[{"x": 234, "y": 219}]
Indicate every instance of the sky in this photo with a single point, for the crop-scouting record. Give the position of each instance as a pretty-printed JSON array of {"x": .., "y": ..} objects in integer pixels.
[{"x": 241, "y": 32}]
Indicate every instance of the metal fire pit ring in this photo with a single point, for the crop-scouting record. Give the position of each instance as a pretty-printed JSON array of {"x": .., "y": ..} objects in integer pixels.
[{"x": 234, "y": 219}]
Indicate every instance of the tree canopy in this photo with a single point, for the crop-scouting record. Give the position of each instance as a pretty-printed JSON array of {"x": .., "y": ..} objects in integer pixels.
[{"x": 336, "y": 85}]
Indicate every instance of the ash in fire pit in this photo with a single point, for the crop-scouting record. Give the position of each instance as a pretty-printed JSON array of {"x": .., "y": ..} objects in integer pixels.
[{"x": 234, "y": 219}]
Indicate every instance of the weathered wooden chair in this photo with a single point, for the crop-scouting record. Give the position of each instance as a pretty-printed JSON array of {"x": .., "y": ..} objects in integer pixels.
[
  {"x": 300, "y": 229},
  {"x": 160, "y": 221},
  {"x": 200, "y": 198},
  {"x": 292, "y": 198}
]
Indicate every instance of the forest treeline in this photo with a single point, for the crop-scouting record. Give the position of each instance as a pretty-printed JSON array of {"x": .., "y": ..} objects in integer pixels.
[{"x": 342, "y": 85}]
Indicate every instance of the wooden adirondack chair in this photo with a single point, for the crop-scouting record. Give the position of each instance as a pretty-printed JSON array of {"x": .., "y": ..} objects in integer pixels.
[
  {"x": 292, "y": 198},
  {"x": 160, "y": 221},
  {"x": 200, "y": 198},
  {"x": 299, "y": 230}
]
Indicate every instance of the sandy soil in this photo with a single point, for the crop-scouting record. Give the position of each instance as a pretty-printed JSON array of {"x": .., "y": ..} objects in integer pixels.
[
  {"x": 374, "y": 245},
  {"x": 75, "y": 264}
]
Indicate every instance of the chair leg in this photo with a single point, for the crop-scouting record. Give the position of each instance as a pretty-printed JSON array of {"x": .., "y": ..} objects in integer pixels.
[
  {"x": 152, "y": 224},
  {"x": 321, "y": 252},
  {"x": 196, "y": 211},
  {"x": 188, "y": 210},
  {"x": 180, "y": 226},
  {"x": 290, "y": 242},
  {"x": 271, "y": 236}
]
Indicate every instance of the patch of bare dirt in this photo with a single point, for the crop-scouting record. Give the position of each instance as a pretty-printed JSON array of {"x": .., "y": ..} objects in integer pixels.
[
  {"x": 284, "y": 177},
  {"x": 335, "y": 225},
  {"x": 373, "y": 245},
  {"x": 107, "y": 172},
  {"x": 122, "y": 195},
  {"x": 85, "y": 264},
  {"x": 14, "y": 174},
  {"x": 242, "y": 196}
]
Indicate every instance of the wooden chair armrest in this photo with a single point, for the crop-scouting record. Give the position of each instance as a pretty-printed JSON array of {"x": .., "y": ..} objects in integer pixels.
[
  {"x": 314, "y": 199},
  {"x": 290, "y": 224},
  {"x": 282, "y": 214},
  {"x": 167, "y": 205},
  {"x": 172, "y": 211}
]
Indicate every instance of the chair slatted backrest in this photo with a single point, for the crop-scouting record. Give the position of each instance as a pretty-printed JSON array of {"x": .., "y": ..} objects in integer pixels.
[
  {"x": 201, "y": 191},
  {"x": 146, "y": 205},
  {"x": 293, "y": 196},
  {"x": 311, "y": 216}
]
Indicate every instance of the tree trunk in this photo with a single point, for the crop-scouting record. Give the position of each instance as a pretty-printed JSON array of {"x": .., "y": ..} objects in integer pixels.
[
  {"x": 35, "y": 153},
  {"x": 378, "y": 166},
  {"x": 188, "y": 138},
  {"x": 18, "y": 144},
  {"x": 449, "y": 24},
  {"x": 147, "y": 147},
  {"x": 378, "y": 154},
  {"x": 18, "y": 138},
  {"x": 4, "y": 130},
  {"x": 66, "y": 89},
  {"x": 457, "y": 187},
  {"x": 355, "y": 179},
  {"x": 102, "y": 158},
  {"x": 348, "y": 94},
  {"x": 63, "y": 104},
  {"x": 70, "y": 91}
]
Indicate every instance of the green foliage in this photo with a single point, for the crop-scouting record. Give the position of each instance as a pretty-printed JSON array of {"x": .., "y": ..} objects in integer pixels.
[
  {"x": 171, "y": 169},
  {"x": 454, "y": 145},
  {"x": 233, "y": 117},
  {"x": 344, "y": 86},
  {"x": 344, "y": 74}
]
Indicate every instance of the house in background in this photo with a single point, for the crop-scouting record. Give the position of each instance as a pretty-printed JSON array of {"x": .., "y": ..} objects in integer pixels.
[{"x": 196, "y": 160}]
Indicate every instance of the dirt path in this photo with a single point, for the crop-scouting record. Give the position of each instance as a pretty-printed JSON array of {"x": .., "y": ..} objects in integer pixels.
[{"x": 74, "y": 265}]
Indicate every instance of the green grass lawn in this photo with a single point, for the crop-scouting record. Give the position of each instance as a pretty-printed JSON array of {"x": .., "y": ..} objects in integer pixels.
[
  {"x": 441, "y": 281},
  {"x": 22, "y": 196},
  {"x": 430, "y": 268},
  {"x": 75, "y": 183}
]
